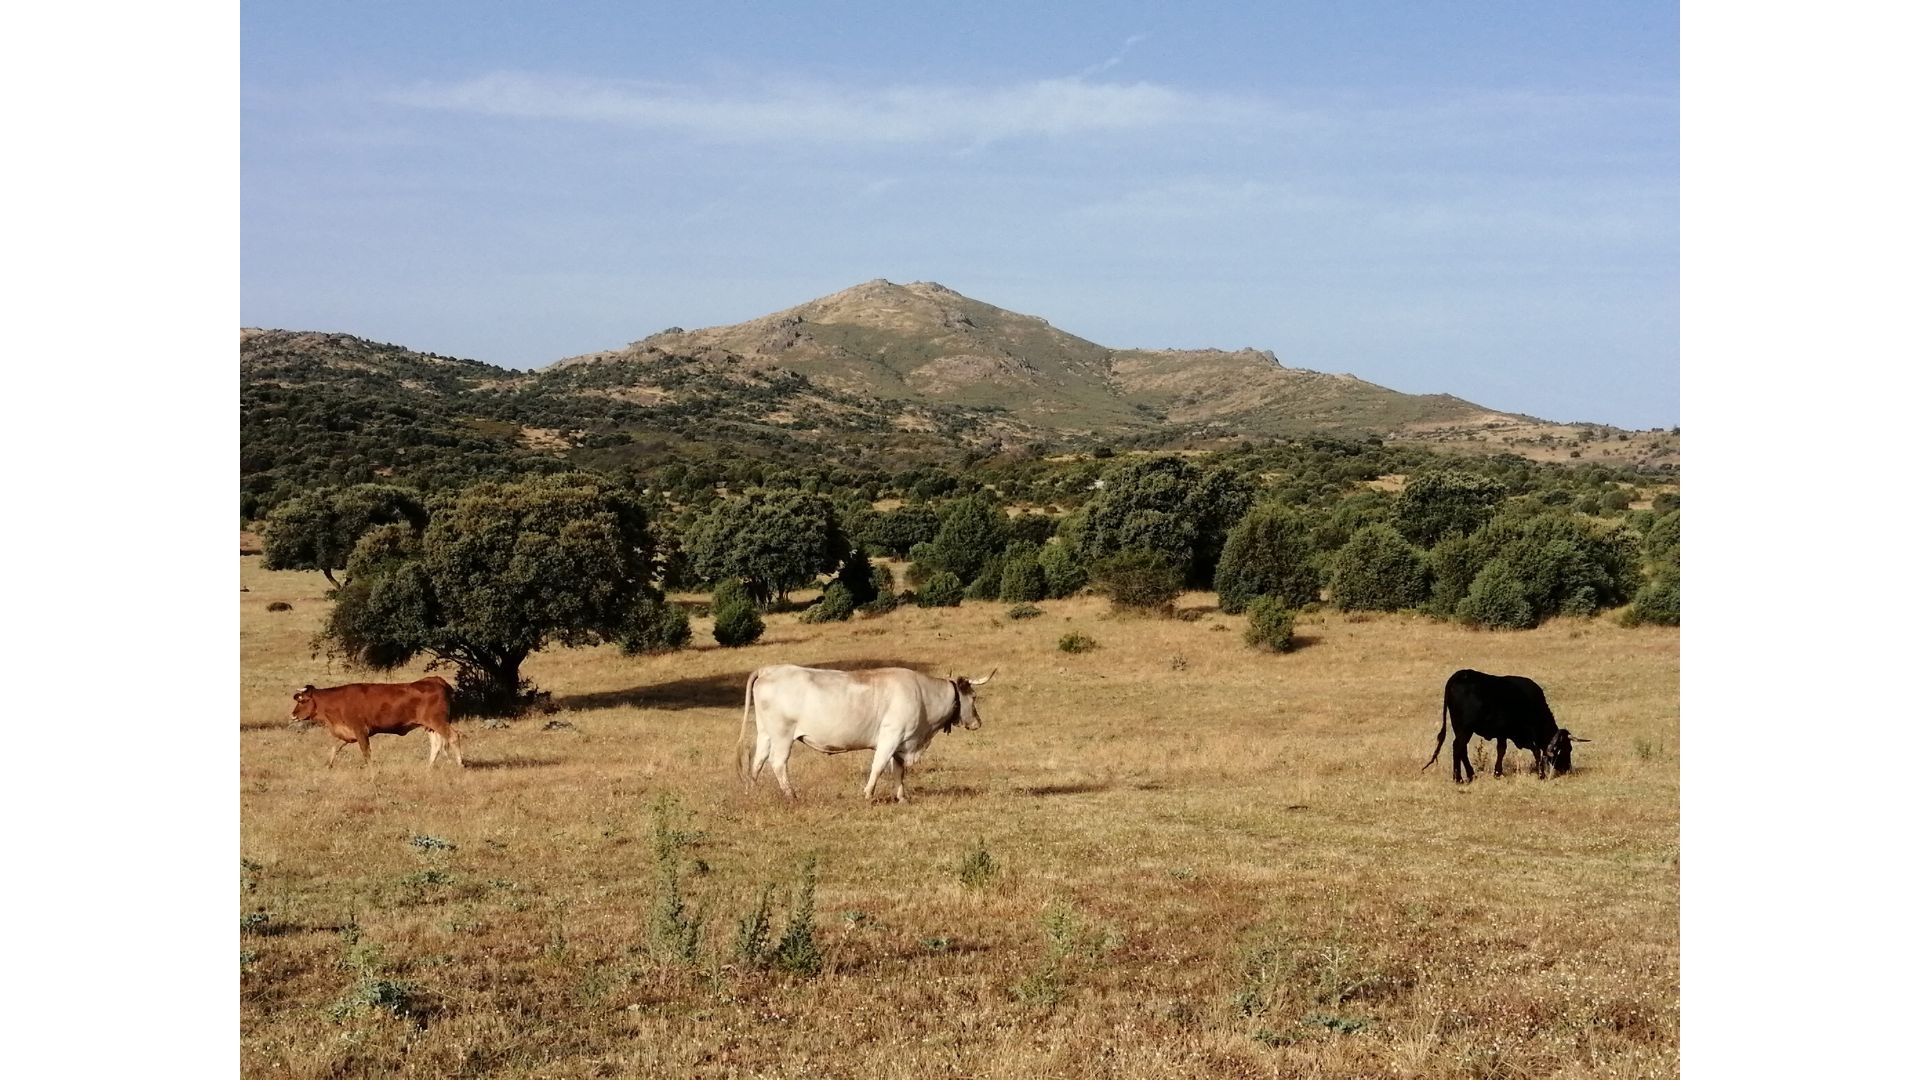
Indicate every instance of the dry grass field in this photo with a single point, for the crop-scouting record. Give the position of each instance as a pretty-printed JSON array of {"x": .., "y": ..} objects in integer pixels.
[{"x": 1199, "y": 861}]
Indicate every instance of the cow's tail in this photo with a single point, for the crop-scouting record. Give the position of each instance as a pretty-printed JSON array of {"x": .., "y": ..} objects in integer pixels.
[
  {"x": 743, "y": 750},
  {"x": 1442, "y": 740}
]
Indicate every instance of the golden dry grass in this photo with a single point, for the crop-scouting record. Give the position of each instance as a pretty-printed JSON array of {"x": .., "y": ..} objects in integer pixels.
[{"x": 1245, "y": 870}]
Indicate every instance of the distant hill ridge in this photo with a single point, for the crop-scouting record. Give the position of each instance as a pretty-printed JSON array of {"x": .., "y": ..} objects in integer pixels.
[
  {"x": 925, "y": 342},
  {"x": 877, "y": 374}
]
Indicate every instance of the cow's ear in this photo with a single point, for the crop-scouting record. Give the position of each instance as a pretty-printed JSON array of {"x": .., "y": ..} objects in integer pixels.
[{"x": 961, "y": 684}]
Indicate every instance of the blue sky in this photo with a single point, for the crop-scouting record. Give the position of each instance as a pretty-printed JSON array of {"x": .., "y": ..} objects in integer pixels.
[{"x": 1481, "y": 199}]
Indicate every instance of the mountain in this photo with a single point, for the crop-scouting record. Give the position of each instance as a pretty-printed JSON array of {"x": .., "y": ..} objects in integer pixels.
[
  {"x": 922, "y": 342},
  {"x": 875, "y": 378}
]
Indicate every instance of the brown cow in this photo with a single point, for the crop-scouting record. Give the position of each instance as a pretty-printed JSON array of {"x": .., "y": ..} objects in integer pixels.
[{"x": 357, "y": 711}]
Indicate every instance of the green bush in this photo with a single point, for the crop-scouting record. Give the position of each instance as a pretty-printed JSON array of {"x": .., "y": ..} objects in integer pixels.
[
  {"x": 1024, "y": 611},
  {"x": 1139, "y": 580},
  {"x": 1378, "y": 570},
  {"x": 941, "y": 590},
  {"x": 1663, "y": 539},
  {"x": 1066, "y": 572},
  {"x": 1269, "y": 624},
  {"x": 661, "y": 628},
  {"x": 1035, "y": 529},
  {"x": 730, "y": 592},
  {"x": 884, "y": 597},
  {"x": 1023, "y": 579},
  {"x": 986, "y": 584},
  {"x": 1270, "y": 553},
  {"x": 858, "y": 578},
  {"x": 972, "y": 531},
  {"x": 1658, "y": 601},
  {"x": 1498, "y": 599},
  {"x": 737, "y": 623},
  {"x": 1435, "y": 504},
  {"x": 1616, "y": 499},
  {"x": 835, "y": 605},
  {"x": 1073, "y": 641}
]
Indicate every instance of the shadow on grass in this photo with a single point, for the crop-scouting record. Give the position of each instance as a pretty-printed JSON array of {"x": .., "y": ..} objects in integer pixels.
[
  {"x": 1086, "y": 788},
  {"x": 512, "y": 763},
  {"x": 261, "y": 725},
  {"x": 709, "y": 692}
]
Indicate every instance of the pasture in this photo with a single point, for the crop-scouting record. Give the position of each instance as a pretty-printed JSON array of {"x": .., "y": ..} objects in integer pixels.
[{"x": 1169, "y": 856}]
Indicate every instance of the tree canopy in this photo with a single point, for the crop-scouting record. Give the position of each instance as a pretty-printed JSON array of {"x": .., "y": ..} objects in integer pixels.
[
  {"x": 500, "y": 571},
  {"x": 772, "y": 541}
]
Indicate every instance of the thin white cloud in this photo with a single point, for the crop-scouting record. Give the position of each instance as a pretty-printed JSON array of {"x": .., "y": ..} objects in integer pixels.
[
  {"x": 1204, "y": 197},
  {"x": 1114, "y": 60},
  {"x": 816, "y": 113}
]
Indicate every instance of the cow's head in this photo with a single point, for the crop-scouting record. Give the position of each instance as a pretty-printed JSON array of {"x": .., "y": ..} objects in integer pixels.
[
  {"x": 303, "y": 706},
  {"x": 965, "y": 714},
  {"x": 1559, "y": 751}
]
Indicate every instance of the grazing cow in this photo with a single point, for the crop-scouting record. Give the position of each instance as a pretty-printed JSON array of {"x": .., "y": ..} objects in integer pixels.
[
  {"x": 892, "y": 711},
  {"x": 1502, "y": 707},
  {"x": 357, "y": 711}
]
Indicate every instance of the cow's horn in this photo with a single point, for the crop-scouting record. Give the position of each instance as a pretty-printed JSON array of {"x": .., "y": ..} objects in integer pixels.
[
  {"x": 983, "y": 682},
  {"x": 1577, "y": 738}
]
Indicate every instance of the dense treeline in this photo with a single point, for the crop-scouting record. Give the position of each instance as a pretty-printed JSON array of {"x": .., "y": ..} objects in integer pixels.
[{"x": 411, "y": 477}]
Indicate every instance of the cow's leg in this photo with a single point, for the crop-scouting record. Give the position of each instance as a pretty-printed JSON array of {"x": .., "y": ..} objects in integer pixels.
[
  {"x": 366, "y": 748},
  {"x": 453, "y": 745},
  {"x": 762, "y": 750},
  {"x": 1460, "y": 762},
  {"x": 882, "y": 762},
  {"x": 1500, "y": 757},
  {"x": 337, "y": 747},
  {"x": 434, "y": 742},
  {"x": 777, "y": 754},
  {"x": 899, "y": 778}
]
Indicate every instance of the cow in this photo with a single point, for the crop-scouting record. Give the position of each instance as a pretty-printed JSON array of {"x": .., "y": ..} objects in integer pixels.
[
  {"x": 357, "y": 711},
  {"x": 892, "y": 711},
  {"x": 1502, "y": 708}
]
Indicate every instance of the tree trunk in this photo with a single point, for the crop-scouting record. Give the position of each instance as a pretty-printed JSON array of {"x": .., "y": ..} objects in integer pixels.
[{"x": 330, "y": 578}]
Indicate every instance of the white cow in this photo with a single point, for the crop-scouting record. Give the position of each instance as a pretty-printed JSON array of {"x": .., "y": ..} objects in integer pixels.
[{"x": 892, "y": 711}]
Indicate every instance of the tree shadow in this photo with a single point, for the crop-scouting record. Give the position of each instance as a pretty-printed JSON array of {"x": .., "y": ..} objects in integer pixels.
[
  {"x": 726, "y": 691},
  {"x": 1303, "y": 641},
  {"x": 1084, "y": 788},
  {"x": 512, "y": 763}
]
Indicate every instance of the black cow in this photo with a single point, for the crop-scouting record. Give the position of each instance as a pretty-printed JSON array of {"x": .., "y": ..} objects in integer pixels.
[{"x": 1502, "y": 708}]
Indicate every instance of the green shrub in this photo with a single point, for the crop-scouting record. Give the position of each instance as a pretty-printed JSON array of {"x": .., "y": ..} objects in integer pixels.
[
  {"x": 836, "y": 605},
  {"x": 1073, "y": 641},
  {"x": 1024, "y": 611},
  {"x": 729, "y": 592},
  {"x": 664, "y": 627},
  {"x": 1663, "y": 539},
  {"x": 1437, "y": 503},
  {"x": 986, "y": 585},
  {"x": 884, "y": 597},
  {"x": 1138, "y": 579},
  {"x": 978, "y": 868},
  {"x": 858, "y": 578},
  {"x": 737, "y": 624},
  {"x": 1269, "y": 624},
  {"x": 1035, "y": 529},
  {"x": 972, "y": 531},
  {"x": 941, "y": 590},
  {"x": 1658, "y": 601},
  {"x": 1616, "y": 499},
  {"x": 1270, "y": 553},
  {"x": 797, "y": 951},
  {"x": 1378, "y": 570},
  {"x": 1023, "y": 579},
  {"x": 1066, "y": 573},
  {"x": 1498, "y": 599}
]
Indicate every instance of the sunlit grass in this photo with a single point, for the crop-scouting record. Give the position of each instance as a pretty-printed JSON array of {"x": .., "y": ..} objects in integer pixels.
[{"x": 1205, "y": 860}]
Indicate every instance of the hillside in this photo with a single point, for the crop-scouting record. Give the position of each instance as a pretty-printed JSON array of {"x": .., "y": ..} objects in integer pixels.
[
  {"x": 923, "y": 342},
  {"x": 876, "y": 378}
]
